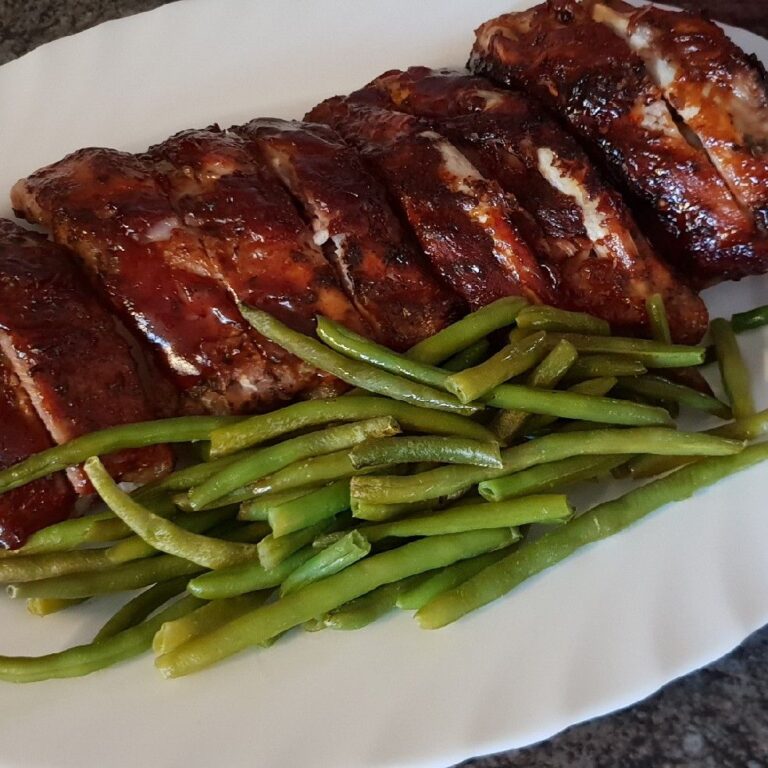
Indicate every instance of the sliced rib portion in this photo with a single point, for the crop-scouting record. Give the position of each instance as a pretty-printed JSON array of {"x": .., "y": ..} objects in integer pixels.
[
  {"x": 381, "y": 268},
  {"x": 250, "y": 228},
  {"x": 594, "y": 81},
  {"x": 31, "y": 507},
  {"x": 465, "y": 223},
  {"x": 108, "y": 208},
  {"x": 602, "y": 263},
  {"x": 719, "y": 91},
  {"x": 64, "y": 347}
]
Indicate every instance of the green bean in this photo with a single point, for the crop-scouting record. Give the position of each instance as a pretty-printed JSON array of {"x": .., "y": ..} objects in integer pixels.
[
  {"x": 599, "y": 523},
  {"x": 322, "y": 504},
  {"x": 590, "y": 387},
  {"x": 259, "y": 508},
  {"x": 246, "y": 577},
  {"x": 472, "y": 355},
  {"x": 178, "y": 430},
  {"x": 444, "y": 450},
  {"x": 84, "y": 659},
  {"x": 314, "y": 413},
  {"x": 273, "y": 550},
  {"x": 207, "y": 617},
  {"x": 652, "y": 354},
  {"x": 572, "y": 405},
  {"x": 184, "y": 479},
  {"x": 647, "y": 465},
  {"x": 321, "y": 597},
  {"x": 512, "y": 360},
  {"x": 357, "y": 347},
  {"x": 660, "y": 388},
  {"x": 383, "y": 512},
  {"x": 546, "y": 478},
  {"x": 504, "y": 514},
  {"x": 746, "y": 428},
  {"x": 553, "y": 319},
  {"x": 135, "y": 547},
  {"x": 360, "y": 612},
  {"x": 142, "y": 606},
  {"x": 657, "y": 318},
  {"x": 594, "y": 366},
  {"x": 733, "y": 369},
  {"x": 447, "y": 480},
  {"x": 162, "y": 534},
  {"x": 351, "y": 371},
  {"x": 350, "y": 548},
  {"x": 447, "y": 578},
  {"x": 41, "y": 606},
  {"x": 272, "y": 458},
  {"x": 51, "y": 564},
  {"x": 746, "y": 321},
  {"x": 119, "y": 578},
  {"x": 547, "y": 375},
  {"x": 470, "y": 329}
]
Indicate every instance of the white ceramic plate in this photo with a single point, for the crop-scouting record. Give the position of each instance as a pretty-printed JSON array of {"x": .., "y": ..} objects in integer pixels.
[{"x": 596, "y": 633}]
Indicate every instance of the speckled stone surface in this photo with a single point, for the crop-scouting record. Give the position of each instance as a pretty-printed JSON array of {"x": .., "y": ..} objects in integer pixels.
[{"x": 714, "y": 718}]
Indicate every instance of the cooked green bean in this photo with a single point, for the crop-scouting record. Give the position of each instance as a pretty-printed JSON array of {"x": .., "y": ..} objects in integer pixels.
[
  {"x": 258, "y": 508},
  {"x": 162, "y": 534},
  {"x": 382, "y": 512},
  {"x": 42, "y": 606},
  {"x": 184, "y": 479},
  {"x": 447, "y": 480},
  {"x": 247, "y": 577},
  {"x": 556, "y": 475},
  {"x": 447, "y": 578},
  {"x": 140, "y": 607},
  {"x": 51, "y": 564},
  {"x": 357, "y": 347},
  {"x": 351, "y": 371},
  {"x": 207, "y": 617},
  {"x": 472, "y": 355},
  {"x": 273, "y": 550},
  {"x": 547, "y": 375},
  {"x": 505, "y": 514},
  {"x": 660, "y": 388},
  {"x": 594, "y": 366},
  {"x": 315, "y": 413},
  {"x": 84, "y": 659},
  {"x": 360, "y": 612},
  {"x": 572, "y": 405},
  {"x": 177, "y": 430},
  {"x": 308, "y": 509},
  {"x": 512, "y": 360},
  {"x": 652, "y": 354},
  {"x": 541, "y": 318},
  {"x": 746, "y": 321},
  {"x": 406, "y": 450},
  {"x": 590, "y": 387},
  {"x": 733, "y": 369},
  {"x": 321, "y": 597},
  {"x": 268, "y": 460},
  {"x": 599, "y": 523},
  {"x": 747, "y": 428},
  {"x": 350, "y": 548},
  {"x": 657, "y": 318},
  {"x": 470, "y": 329}
]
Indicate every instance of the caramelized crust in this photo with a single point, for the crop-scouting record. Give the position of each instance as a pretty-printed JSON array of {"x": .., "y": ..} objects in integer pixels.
[
  {"x": 108, "y": 207},
  {"x": 43, "y": 502},
  {"x": 582, "y": 230},
  {"x": 594, "y": 81},
  {"x": 465, "y": 223},
  {"x": 63, "y": 346},
  {"x": 382, "y": 270}
]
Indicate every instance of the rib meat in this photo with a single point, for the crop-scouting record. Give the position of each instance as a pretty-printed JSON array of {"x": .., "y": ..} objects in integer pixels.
[
  {"x": 64, "y": 347},
  {"x": 586, "y": 235},
  {"x": 108, "y": 207},
  {"x": 719, "y": 92},
  {"x": 43, "y": 502},
  {"x": 468, "y": 227},
  {"x": 383, "y": 271},
  {"x": 594, "y": 81}
]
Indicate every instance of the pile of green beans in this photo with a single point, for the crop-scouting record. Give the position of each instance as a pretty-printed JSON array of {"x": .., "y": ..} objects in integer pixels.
[{"x": 417, "y": 491}]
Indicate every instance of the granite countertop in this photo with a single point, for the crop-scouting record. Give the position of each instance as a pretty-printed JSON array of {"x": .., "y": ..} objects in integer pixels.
[{"x": 714, "y": 718}]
